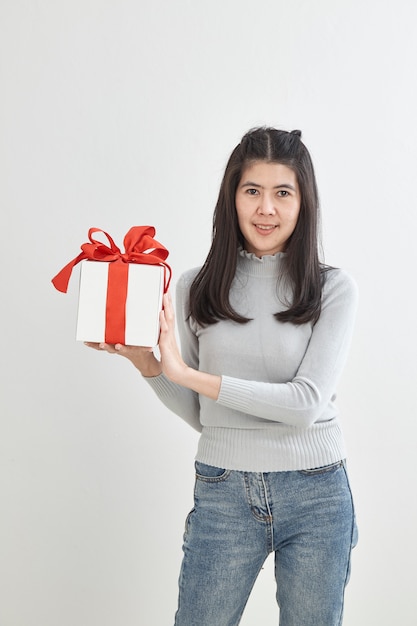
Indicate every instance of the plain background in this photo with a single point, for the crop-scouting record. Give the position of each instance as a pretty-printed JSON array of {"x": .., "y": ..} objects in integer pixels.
[{"x": 119, "y": 112}]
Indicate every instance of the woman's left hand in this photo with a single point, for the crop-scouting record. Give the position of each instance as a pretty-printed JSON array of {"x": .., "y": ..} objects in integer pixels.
[
  {"x": 171, "y": 360},
  {"x": 172, "y": 363}
]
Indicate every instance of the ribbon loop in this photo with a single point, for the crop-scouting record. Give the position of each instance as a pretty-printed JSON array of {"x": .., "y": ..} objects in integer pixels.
[{"x": 140, "y": 247}]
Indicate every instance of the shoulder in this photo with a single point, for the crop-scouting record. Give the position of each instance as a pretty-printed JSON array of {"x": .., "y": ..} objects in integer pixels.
[
  {"x": 186, "y": 279},
  {"x": 183, "y": 294},
  {"x": 183, "y": 287},
  {"x": 338, "y": 283},
  {"x": 335, "y": 276}
]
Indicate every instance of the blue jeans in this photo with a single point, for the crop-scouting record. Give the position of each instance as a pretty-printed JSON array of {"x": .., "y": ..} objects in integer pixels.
[{"x": 306, "y": 517}]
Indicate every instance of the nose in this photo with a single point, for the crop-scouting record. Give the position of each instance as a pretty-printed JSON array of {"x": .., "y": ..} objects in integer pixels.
[{"x": 266, "y": 205}]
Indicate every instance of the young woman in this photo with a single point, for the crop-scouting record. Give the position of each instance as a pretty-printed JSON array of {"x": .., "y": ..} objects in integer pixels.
[{"x": 265, "y": 330}]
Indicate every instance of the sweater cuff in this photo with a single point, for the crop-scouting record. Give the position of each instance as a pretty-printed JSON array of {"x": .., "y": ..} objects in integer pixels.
[
  {"x": 235, "y": 393},
  {"x": 161, "y": 385}
]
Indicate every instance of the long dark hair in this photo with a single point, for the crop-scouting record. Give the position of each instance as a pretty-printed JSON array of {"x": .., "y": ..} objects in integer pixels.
[{"x": 209, "y": 292}]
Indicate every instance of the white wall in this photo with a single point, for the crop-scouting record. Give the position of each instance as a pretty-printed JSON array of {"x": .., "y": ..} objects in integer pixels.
[{"x": 115, "y": 113}]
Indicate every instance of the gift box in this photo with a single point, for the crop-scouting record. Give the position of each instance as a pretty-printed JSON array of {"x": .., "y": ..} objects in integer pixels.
[
  {"x": 120, "y": 294},
  {"x": 133, "y": 320}
]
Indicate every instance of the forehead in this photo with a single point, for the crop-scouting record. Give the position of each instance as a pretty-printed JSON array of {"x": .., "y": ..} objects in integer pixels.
[{"x": 268, "y": 172}]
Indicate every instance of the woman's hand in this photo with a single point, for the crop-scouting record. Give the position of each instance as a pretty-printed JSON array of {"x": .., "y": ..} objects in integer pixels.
[
  {"x": 171, "y": 360},
  {"x": 172, "y": 364},
  {"x": 142, "y": 358}
]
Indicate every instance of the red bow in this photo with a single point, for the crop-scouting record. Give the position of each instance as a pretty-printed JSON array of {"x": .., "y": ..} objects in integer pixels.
[{"x": 140, "y": 247}]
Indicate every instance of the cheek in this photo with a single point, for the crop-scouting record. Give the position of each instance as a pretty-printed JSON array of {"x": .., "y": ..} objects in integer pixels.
[
  {"x": 241, "y": 215},
  {"x": 242, "y": 225},
  {"x": 295, "y": 215},
  {"x": 291, "y": 222}
]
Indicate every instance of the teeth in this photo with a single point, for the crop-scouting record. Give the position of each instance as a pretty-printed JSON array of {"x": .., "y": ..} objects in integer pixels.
[{"x": 264, "y": 227}]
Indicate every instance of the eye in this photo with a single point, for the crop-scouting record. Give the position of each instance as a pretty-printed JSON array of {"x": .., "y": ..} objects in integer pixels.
[
  {"x": 282, "y": 193},
  {"x": 252, "y": 192}
]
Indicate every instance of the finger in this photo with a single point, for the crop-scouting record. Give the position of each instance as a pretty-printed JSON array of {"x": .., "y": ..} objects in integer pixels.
[
  {"x": 131, "y": 351},
  {"x": 169, "y": 311},
  {"x": 99, "y": 346},
  {"x": 167, "y": 302},
  {"x": 162, "y": 322},
  {"x": 117, "y": 348},
  {"x": 120, "y": 348},
  {"x": 107, "y": 347}
]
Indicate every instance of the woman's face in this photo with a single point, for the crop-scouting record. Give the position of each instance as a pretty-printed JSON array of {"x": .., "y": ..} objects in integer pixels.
[{"x": 267, "y": 204}]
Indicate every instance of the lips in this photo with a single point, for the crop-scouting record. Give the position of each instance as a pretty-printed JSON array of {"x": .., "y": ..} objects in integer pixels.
[{"x": 265, "y": 229}]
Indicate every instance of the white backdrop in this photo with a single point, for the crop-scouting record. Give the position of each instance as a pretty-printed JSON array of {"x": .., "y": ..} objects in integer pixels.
[{"x": 115, "y": 113}]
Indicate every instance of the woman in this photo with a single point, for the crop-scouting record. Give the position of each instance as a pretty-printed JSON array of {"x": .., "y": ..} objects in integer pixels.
[{"x": 265, "y": 330}]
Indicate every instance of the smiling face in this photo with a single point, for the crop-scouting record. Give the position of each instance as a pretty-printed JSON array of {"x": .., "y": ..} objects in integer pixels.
[{"x": 267, "y": 204}]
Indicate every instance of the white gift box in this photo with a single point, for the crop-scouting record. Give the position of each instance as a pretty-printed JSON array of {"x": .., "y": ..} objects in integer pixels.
[{"x": 145, "y": 288}]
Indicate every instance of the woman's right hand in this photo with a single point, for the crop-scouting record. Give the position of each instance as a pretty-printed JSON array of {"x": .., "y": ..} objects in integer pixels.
[{"x": 142, "y": 358}]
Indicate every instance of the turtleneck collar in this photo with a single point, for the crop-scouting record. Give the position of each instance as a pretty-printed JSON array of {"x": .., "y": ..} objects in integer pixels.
[{"x": 268, "y": 265}]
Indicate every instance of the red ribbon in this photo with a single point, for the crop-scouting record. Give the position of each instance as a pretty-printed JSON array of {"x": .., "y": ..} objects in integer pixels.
[{"x": 140, "y": 247}]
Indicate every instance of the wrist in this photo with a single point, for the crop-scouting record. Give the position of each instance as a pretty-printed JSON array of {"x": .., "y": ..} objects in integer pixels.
[
  {"x": 203, "y": 383},
  {"x": 182, "y": 376},
  {"x": 148, "y": 367}
]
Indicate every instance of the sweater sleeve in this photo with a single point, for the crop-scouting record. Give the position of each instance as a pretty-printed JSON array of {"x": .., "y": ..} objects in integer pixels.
[
  {"x": 303, "y": 400},
  {"x": 180, "y": 400}
]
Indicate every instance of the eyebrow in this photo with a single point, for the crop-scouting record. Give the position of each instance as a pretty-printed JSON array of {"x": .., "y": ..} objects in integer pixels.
[{"x": 281, "y": 186}]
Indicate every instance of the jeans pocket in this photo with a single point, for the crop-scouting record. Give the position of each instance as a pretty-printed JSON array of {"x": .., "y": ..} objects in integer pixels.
[
  {"x": 325, "y": 469},
  {"x": 209, "y": 473}
]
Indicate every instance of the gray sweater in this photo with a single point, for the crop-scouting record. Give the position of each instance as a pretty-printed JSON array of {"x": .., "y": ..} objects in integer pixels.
[{"x": 275, "y": 410}]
